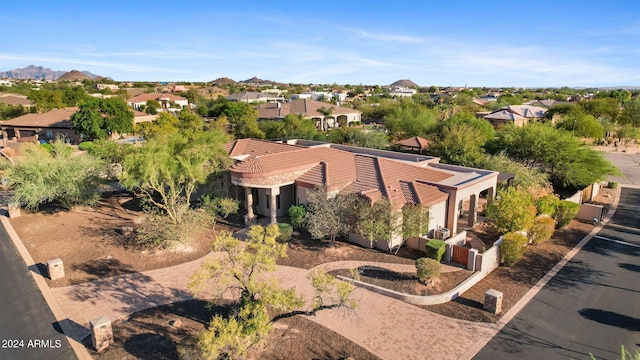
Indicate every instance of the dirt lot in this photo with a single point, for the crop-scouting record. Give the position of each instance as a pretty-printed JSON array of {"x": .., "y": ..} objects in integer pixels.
[{"x": 90, "y": 243}]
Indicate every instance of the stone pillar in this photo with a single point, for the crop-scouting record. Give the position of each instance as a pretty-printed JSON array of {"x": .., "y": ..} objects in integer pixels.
[
  {"x": 273, "y": 203},
  {"x": 249, "y": 218},
  {"x": 55, "y": 269},
  {"x": 101, "y": 333},
  {"x": 14, "y": 210},
  {"x": 471, "y": 259},
  {"x": 493, "y": 301},
  {"x": 473, "y": 210}
]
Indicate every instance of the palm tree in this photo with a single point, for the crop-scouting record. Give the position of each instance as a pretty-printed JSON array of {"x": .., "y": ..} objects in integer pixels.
[{"x": 326, "y": 112}]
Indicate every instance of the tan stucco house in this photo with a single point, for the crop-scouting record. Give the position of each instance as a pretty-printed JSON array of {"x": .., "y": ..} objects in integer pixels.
[
  {"x": 272, "y": 176},
  {"x": 519, "y": 115},
  {"x": 310, "y": 110}
]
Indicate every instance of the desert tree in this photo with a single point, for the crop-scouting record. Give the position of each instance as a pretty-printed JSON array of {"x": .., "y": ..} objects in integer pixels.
[
  {"x": 40, "y": 176},
  {"x": 242, "y": 272},
  {"x": 512, "y": 210},
  {"x": 168, "y": 169},
  {"x": 100, "y": 118}
]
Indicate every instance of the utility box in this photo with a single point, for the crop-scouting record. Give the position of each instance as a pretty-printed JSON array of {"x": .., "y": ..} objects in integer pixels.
[
  {"x": 493, "y": 301},
  {"x": 55, "y": 269},
  {"x": 101, "y": 333}
]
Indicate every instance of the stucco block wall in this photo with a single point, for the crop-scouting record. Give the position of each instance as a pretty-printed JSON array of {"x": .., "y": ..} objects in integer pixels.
[{"x": 437, "y": 216}]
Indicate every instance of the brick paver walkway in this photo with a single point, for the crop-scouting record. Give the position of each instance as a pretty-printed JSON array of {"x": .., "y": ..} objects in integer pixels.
[{"x": 386, "y": 327}]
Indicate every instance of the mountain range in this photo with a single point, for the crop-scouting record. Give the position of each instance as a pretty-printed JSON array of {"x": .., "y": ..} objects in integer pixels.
[{"x": 37, "y": 73}]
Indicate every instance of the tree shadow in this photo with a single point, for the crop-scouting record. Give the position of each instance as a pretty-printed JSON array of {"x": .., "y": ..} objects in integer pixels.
[
  {"x": 611, "y": 318},
  {"x": 381, "y": 273},
  {"x": 151, "y": 346},
  {"x": 516, "y": 337},
  {"x": 630, "y": 267},
  {"x": 104, "y": 268}
]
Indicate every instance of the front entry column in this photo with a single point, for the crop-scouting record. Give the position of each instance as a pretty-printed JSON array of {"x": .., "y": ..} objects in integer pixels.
[
  {"x": 473, "y": 210},
  {"x": 250, "y": 217},
  {"x": 273, "y": 203}
]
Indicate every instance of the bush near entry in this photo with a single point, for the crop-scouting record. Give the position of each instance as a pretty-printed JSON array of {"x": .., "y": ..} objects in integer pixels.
[
  {"x": 542, "y": 230},
  {"x": 435, "y": 249},
  {"x": 512, "y": 248},
  {"x": 565, "y": 212},
  {"x": 285, "y": 233},
  {"x": 427, "y": 268}
]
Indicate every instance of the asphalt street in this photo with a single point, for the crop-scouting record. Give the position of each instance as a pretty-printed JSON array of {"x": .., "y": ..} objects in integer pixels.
[
  {"x": 28, "y": 329},
  {"x": 591, "y": 307}
]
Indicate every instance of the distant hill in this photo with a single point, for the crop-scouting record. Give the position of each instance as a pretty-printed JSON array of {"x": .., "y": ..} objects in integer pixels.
[
  {"x": 223, "y": 81},
  {"x": 405, "y": 83},
  {"x": 38, "y": 73},
  {"x": 73, "y": 75},
  {"x": 256, "y": 81}
]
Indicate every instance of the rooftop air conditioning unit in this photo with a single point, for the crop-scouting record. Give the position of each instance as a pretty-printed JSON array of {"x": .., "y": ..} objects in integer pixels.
[{"x": 442, "y": 233}]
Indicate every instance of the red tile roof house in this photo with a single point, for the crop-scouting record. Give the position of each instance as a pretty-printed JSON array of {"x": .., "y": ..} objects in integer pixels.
[
  {"x": 164, "y": 99},
  {"x": 309, "y": 109},
  {"x": 519, "y": 115},
  {"x": 272, "y": 176}
]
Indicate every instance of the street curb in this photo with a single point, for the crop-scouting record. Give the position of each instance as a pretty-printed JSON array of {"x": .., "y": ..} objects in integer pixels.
[
  {"x": 63, "y": 321},
  {"x": 482, "y": 342}
]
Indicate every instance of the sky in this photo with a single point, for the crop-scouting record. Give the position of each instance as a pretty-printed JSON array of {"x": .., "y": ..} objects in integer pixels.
[{"x": 446, "y": 43}]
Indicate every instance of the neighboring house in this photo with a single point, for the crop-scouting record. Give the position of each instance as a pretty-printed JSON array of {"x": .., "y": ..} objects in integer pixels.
[
  {"x": 111, "y": 87},
  {"x": 15, "y": 100},
  {"x": 416, "y": 143},
  {"x": 164, "y": 99},
  {"x": 254, "y": 97},
  {"x": 34, "y": 127},
  {"x": 402, "y": 92},
  {"x": 309, "y": 109},
  {"x": 48, "y": 126},
  {"x": 270, "y": 177},
  {"x": 6, "y": 83},
  {"x": 519, "y": 115}
]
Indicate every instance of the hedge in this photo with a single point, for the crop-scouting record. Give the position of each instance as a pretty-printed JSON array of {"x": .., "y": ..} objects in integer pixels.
[
  {"x": 542, "y": 230},
  {"x": 512, "y": 248},
  {"x": 565, "y": 212},
  {"x": 435, "y": 249}
]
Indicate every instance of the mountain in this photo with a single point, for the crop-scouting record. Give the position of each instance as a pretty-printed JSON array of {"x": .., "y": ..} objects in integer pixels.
[
  {"x": 405, "y": 83},
  {"x": 37, "y": 73},
  {"x": 32, "y": 72},
  {"x": 73, "y": 75},
  {"x": 256, "y": 81},
  {"x": 223, "y": 81}
]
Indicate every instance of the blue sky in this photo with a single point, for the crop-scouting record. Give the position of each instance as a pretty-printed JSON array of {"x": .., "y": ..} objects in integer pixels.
[{"x": 445, "y": 43}]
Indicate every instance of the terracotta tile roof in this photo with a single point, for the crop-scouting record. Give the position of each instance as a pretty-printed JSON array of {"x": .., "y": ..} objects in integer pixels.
[
  {"x": 253, "y": 147},
  {"x": 306, "y": 107},
  {"x": 15, "y": 100},
  {"x": 415, "y": 142},
  {"x": 59, "y": 118},
  {"x": 143, "y": 98},
  {"x": 370, "y": 176},
  {"x": 517, "y": 112}
]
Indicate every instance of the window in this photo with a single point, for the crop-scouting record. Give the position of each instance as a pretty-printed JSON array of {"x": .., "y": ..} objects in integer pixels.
[
  {"x": 267, "y": 199},
  {"x": 278, "y": 201}
]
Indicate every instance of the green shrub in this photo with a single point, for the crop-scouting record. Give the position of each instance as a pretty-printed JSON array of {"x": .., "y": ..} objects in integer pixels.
[
  {"x": 285, "y": 233},
  {"x": 297, "y": 214},
  {"x": 86, "y": 145},
  {"x": 47, "y": 146},
  {"x": 512, "y": 248},
  {"x": 542, "y": 230},
  {"x": 435, "y": 249},
  {"x": 612, "y": 185},
  {"x": 547, "y": 205},
  {"x": 565, "y": 212},
  {"x": 427, "y": 268}
]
